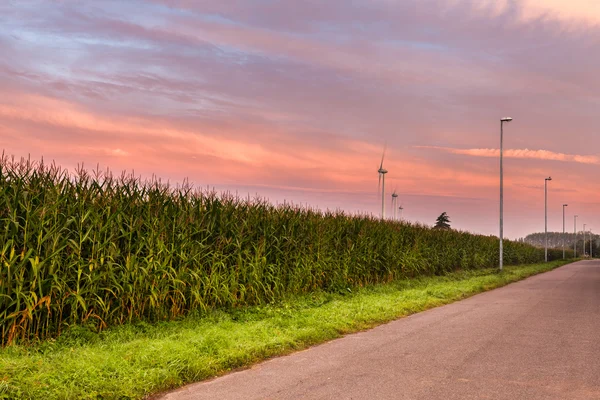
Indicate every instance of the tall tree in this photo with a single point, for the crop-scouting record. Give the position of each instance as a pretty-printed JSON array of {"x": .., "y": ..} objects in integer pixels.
[{"x": 442, "y": 222}]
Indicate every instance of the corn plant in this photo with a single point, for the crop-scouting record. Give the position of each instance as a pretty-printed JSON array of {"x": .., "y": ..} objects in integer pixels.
[{"x": 97, "y": 249}]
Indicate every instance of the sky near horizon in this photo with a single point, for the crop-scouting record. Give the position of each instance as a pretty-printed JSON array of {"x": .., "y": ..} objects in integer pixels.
[{"x": 296, "y": 100}]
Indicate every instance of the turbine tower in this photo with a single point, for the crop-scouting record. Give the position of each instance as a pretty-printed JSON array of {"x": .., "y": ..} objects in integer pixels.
[
  {"x": 382, "y": 173},
  {"x": 401, "y": 208},
  {"x": 394, "y": 203}
]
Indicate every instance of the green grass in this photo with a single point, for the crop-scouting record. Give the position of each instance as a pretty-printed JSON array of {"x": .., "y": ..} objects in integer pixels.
[{"x": 136, "y": 360}]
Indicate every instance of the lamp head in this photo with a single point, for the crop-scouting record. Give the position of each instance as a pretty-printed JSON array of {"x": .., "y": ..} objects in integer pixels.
[
  {"x": 549, "y": 178},
  {"x": 506, "y": 119},
  {"x": 565, "y": 205}
]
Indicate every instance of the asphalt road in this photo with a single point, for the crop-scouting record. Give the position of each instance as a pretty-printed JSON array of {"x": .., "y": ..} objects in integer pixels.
[{"x": 534, "y": 339}]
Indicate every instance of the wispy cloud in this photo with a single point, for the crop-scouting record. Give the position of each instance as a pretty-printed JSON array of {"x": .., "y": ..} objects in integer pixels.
[
  {"x": 288, "y": 94},
  {"x": 520, "y": 153}
]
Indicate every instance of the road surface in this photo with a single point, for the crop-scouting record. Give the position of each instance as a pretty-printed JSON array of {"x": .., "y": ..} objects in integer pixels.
[{"x": 534, "y": 339}]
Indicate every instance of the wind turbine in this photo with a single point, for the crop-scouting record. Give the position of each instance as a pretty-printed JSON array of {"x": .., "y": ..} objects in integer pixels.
[
  {"x": 394, "y": 203},
  {"x": 382, "y": 173},
  {"x": 401, "y": 208}
]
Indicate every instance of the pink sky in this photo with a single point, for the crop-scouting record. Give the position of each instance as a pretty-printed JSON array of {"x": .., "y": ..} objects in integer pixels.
[{"x": 296, "y": 100}]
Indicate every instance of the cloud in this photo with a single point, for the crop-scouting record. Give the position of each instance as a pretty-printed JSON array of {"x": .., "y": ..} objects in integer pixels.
[
  {"x": 577, "y": 10},
  {"x": 521, "y": 153},
  {"x": 117, "y": 152},
  {"x": 303, "y": 95}
]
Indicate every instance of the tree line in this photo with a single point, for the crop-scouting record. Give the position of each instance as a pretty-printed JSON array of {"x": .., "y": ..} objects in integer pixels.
[{"x": 555, "y": 240}]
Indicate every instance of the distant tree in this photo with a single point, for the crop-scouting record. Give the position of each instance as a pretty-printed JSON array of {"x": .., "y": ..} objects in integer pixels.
[
  {"x": 442, "y": 222},
  {"x": 555, "y": 241}
]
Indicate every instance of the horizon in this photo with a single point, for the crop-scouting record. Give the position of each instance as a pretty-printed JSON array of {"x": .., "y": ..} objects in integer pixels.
[
  {"x": 208, "y": 190},
  {"x": 298, "y": 103}
]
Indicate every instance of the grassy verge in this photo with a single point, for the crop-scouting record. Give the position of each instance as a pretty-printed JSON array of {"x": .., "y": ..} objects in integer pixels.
[{"x": 133, "y": 361}]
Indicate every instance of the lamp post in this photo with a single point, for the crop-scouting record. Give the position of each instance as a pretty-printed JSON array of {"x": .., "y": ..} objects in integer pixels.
[
  {"x": 546, "y": 216},
  {"x": 591, "y": 244},
  {"x": 584, "y": 225},
  {"x": 563, "y": 237},
  {"x": 502, "y": 121},
  {"x": 575, "y": 241}
]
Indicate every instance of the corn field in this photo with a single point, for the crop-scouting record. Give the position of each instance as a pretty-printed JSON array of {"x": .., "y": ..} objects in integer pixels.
[{"x": 93, "y": 248}]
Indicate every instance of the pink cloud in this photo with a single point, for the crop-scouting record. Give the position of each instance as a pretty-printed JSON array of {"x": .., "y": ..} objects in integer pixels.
[
  {"x": 299, "y": 100},
  {"x": 578, "y": 10},
  {"x": 522, "y": 153}
]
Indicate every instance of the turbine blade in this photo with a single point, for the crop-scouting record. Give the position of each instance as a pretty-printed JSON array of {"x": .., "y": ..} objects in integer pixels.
[{"x": 383, "y": 155}]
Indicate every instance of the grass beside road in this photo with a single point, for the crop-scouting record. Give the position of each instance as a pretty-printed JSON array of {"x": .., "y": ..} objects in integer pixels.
[{"x": 134, "y": 361}]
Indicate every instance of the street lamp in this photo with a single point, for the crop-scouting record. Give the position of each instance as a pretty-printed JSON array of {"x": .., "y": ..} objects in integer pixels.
[
  {"x": 502, "y": 121},
  {"x": 584, "y": 225},
  {"x": 575, "y": 241},
  {"x": 591, "y": 242},
  {"x": 564, "y": 205},
  {"x": 546, "y": 215}
]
